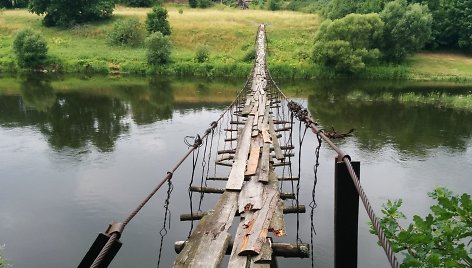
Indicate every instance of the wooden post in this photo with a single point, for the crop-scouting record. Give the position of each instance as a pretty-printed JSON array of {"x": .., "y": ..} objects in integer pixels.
[{"x": 346, "y": 216}]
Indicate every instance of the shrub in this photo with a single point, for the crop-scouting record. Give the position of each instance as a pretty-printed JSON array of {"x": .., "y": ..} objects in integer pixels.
[
  {"x": 192, "y": 3},
  {"x": 204, "y": 3},
  {"x": 250, "y": 55},
  {"x": 138, "y": 3},
  {"x": 156, "y": 21},
  {"x": 274, "y": 5},
  {"x": 126, "y": 32},
  {"x": 202, "y": 54},
  {"x": 158, "y": 49},
  {"x": 30, "y": 49}
]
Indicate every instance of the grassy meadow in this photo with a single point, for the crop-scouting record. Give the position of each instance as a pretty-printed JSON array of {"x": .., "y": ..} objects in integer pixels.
[{"x": 229, "y": 33}]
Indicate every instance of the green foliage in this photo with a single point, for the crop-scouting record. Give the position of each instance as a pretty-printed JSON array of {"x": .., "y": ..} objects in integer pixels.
[
  {"x": 13, "y": 4},
  {"x": 335, "y": 9},
  {"x": 68, "y": 13},
  {"x": 407, "y": 29},
  {"x": 274, "y": 5},
  {"x": 138, "y": 3},
  {"x": 250, "y": 55},
  {"x": 192, "y": 3},
  {"x": 441, "y": 239},
  {"x": 156, "y": 21},
  {"x": 204, "y": 3},
  {"x": 30, "y": 49},
  {"x": 349, "y": 43},
  {"x": 127, "y": 32},
  {"x": 202, "y": 54},
  {"x": 3, "y": 261},
  {"x": 158, "y": 49}
]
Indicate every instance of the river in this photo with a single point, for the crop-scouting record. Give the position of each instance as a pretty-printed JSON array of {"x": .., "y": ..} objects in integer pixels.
[{"x": 79, "y": 152}]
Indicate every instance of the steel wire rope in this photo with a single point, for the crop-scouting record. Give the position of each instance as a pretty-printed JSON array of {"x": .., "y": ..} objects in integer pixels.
[
  {"x": 301, "y": 138},
  {"x": 190, "y": 192},
  {"x": 114, "y": 236},
  {"x": 345, "y": 158}
]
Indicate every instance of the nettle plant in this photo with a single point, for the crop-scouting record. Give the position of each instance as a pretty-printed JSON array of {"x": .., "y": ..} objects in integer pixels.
[{"x": 442, "y": 239}]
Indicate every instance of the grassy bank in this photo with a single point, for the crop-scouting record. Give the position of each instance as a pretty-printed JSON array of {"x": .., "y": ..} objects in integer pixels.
[{"x": 229, "y": 34}]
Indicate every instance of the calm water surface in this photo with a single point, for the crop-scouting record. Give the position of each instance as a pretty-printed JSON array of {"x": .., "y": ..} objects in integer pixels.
[{"x": 77, "y": 153}]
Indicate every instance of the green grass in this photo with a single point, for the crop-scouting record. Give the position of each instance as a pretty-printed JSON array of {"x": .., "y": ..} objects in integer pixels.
[{"x": 229, "y": 34}]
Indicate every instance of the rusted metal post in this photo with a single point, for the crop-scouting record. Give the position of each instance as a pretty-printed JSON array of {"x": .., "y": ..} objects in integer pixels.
[{"x": 346, "y": 215}]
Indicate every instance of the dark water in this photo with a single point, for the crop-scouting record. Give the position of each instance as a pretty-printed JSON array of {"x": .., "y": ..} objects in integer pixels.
[{"x": 77, "y": 153}]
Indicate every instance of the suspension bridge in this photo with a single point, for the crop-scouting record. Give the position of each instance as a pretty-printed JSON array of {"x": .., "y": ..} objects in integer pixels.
[{"x": 255, "y": 159}]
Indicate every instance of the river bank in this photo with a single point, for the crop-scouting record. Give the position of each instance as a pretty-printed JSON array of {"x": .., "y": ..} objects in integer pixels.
[{"x": 229, "y": 35}]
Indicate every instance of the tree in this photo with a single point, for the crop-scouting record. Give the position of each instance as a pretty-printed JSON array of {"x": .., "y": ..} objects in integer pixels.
[
  {"x": 30, "y": 49},
  {"x": 67, "y": 13},
  {"x": 407, "y": 29},
  {"x": 441, "y": 239},
  {"x": 13, "y": 3},
  {"x": 349, "y": 43},
  {"x": 158, "y": 49},
  {"x": 156, "y": 21}
]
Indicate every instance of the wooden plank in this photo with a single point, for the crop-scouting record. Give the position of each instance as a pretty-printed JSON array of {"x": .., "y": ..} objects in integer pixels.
[
  {"x": 265, "y": 256},
  {"x": 253, "y": 157},
  {"x": 237, "y": 261},
  {"x": 251, "y": 195},
  {"x": 207, "y": 245},
  {"x": 236, "y": 176},
  {"x": 277, "y": 223},
  {"x": 265, "y": 163},
  {"x": 275, "y": 141},
  {"x": 258, "y": 227}
]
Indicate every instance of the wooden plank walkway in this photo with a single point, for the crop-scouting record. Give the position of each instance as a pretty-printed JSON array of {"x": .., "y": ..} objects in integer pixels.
[{"x": 251, "y": 189}]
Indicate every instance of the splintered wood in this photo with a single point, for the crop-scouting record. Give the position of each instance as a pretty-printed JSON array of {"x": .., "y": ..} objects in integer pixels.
[{"x": 251, "y": 189}]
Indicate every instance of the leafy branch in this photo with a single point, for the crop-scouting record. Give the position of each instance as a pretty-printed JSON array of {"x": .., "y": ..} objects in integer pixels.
[{"x": 442, "y": 239}]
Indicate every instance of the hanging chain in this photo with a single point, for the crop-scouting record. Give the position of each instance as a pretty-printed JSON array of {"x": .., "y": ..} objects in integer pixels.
[
  {"x": 164, "y": 230},
  {"x": 301, "y": 138},
  {"x": 313, "y": 204},
  {"x": 190, "y": 193}
]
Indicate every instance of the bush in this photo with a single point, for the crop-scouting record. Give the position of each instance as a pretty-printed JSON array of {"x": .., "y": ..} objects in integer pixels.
[
  {"x": 192, "y": 3},
  {"x": 126, "y": 32},
  {"x": 204, "y": 3},
  {"x": 274, "y": 5},
  {"x": 68, "y": 13},
  {"x": 30, "y": 49},
  {"x": 349, "y": 43},
  {"x": 202, "y": 54},
  {"x": 158, "y": 49},
  {"x": 137, "y": 3},
  {"x": 156, "y": 21},
  {"x": 250, "y": 55}
]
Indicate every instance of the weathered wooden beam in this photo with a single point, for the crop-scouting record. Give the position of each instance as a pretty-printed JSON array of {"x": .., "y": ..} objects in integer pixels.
[
  {"x": 208, "y": 243},
  {"x": 236, "y": 176},
  {"x": 226, "y": 164},
  {"x": 286, "y": 250},
  {"x": 265, "y": 256},
  {"x": 247, "y": 178},
  {"x": 281, "y": 164},
  {"x": 230, "y": 139},
  {"x": 225, "y": 158},
  {"x": 275, "y": 142},
  {"x": 283, "y": 129},
  {"x": 198, "y": 215},
  {"x": 229, "y": 151},
  {"x": 237, "y": 122}
]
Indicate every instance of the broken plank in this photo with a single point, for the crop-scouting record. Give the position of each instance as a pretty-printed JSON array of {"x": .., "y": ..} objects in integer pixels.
[
  {"x": 207, "y": 244},
  {"x": 253, "y": 157},
  {"x": 237, "y": 261},
  {"x": 258, "y": 227},
  {"x": 265, "y": 256},
  {"x": 250, "y": 197}
]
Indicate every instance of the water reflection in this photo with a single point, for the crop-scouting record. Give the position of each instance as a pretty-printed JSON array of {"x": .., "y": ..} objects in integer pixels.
[{"x": 413, "y": 129}]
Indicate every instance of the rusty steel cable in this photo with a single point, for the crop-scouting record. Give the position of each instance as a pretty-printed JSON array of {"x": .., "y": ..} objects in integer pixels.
[
  {"x": 313, "y": 204},
  {"x": 119, "y": 227},
  {"x": 303, "y": 115}
]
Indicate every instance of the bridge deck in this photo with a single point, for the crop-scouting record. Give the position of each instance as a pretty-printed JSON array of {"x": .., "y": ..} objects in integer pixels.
[{"x": 251, "y": 189}]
